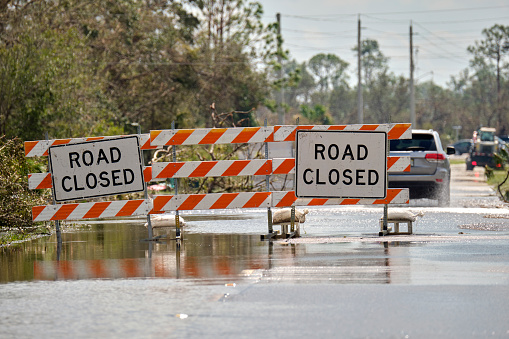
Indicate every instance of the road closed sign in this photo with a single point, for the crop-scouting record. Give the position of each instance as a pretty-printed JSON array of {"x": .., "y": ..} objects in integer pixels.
[
  {"x": 96, "y": 168},
  {"x": 341, "y": 164}
]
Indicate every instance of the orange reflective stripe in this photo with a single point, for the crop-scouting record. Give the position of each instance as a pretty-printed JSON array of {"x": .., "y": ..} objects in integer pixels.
[
  {"x": 29, "y": 146},
  {"x": 147, "y": 174},
  {"x": 257, "y": 199},
  {"x": 46, "y": 182},
  {"x": 159, "y": 202},
  {"x": 224, "y": 201},
  {"x": 349, "y": 201},
  {"x": 212, "y": 136},
  {"x": 397, "y": 131},
  {"x": 368, "y": 127},
  {"x": 391, "y": 161},
  {"x": 191, "y": 202},
  {"x": 246, "y": 135},
  {"x": 97, "y": 210},
  {"x": 265, "y": 169},
  {"x": 170, "y": 170},
  {"x": 203, "y": 169},
  {"x": 235, "y": 168},
  {"x": 286, "y": 167},
  {"x": 287, "y": 200},
  {"x": 129, "y": 208},
  {"x": 180, "y": 137},
  {"x": 36, "y": 210},
  {"x": 337, "y": 127},
  {"x": 64, "y": 211},
  {"x": 317, "y": 202}
]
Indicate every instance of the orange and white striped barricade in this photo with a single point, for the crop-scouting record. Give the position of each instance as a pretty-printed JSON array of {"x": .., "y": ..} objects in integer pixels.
[
  {"x": 288, "y": 198},
  {"x": 166, "y": 203},
  {"x": 394, "y": 131},
  {"x": 208, "y": 136},
  {"x": 219, "y": 168},
  {"x": 39, "y": 148},
  {"x": 89, "y": 210},
  {"x": 38, "y": 181}
]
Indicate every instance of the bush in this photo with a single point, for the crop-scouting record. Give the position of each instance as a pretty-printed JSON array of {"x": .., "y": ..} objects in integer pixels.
[
  {"x": 16, "y": 200},
  {"x": 500, "y": 180}
]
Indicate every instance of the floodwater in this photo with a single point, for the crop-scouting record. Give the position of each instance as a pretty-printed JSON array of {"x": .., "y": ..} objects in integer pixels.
[{"x": 450, "y": 279}]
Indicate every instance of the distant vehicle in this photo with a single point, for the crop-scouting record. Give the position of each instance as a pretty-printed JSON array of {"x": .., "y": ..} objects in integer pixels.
[
  {"x": 505, "y": 138},
  {"x": 485, "y": 145},
  {"x": 430, "y": 171},
  {"x": 462, "y": 146}
]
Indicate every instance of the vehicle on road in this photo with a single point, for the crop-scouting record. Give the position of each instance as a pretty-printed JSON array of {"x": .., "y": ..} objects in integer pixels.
[
  {"x": 485, "y": 145},
  {"x": 462, "y": 146},
  {"x": 430, "y": 170}
]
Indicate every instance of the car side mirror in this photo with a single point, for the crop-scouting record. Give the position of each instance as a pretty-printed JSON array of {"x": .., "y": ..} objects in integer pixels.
[{"x": 451, "y": 150}]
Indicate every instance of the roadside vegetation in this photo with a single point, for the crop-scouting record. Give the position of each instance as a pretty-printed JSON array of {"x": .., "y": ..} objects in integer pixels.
[
  {"x": 16, "y": 200},
  {"x": 76, "y": 68},
  {"x": 499, "y": 179}
]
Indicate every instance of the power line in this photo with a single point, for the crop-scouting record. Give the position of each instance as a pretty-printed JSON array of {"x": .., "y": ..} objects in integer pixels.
[{"x": 354, "y": 15}]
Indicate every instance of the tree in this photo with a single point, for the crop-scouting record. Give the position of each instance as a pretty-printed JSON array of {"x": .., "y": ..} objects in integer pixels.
[
  {"x": 329, "y": 71},
  {"x": 316, "y": 115},
  {"x": 373, "y": 61},
  {"x": 494, "y": 47}
]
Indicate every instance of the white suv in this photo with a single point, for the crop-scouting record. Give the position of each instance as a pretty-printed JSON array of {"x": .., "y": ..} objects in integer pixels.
[{"x": 430, "y": 172}]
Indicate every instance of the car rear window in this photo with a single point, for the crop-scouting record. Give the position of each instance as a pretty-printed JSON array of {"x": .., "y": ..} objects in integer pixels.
[{"x": 419, "y": 142}]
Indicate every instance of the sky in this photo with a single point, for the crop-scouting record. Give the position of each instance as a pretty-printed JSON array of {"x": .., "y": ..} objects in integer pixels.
[{"x": 442, "y": 31}]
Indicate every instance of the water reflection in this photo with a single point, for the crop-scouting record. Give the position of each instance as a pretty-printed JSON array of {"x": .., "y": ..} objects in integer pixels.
[{"x": 118, "y": 251}]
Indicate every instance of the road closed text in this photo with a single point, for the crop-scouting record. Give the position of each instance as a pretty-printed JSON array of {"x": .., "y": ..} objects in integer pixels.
[
  {"x": 347, "y": 176},
  {"x": 341, "y": 164},
  {"x": 99, "y": 168}
]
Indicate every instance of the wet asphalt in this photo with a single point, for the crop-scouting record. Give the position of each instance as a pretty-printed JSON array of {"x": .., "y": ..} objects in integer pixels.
[{"x": 449, "y": 279}]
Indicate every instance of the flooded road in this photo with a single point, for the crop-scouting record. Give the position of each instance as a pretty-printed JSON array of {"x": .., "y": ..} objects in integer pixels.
[{"x": 450, "y": 279}]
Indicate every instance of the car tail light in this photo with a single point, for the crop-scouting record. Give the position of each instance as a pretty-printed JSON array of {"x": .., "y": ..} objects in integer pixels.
[
  {"x": 435, "y": 157},
  {"x": 474, "y": 163}
]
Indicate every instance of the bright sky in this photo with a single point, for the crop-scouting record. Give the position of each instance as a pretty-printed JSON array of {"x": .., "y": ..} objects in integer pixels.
[{"x": 443, "y": 29}]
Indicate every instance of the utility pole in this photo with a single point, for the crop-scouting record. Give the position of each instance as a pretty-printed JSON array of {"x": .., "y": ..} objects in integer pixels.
[
  {"x": 360, "y": 113},
  {"x": 412, "y": 89},
  {"x": 281, "y": 110}
]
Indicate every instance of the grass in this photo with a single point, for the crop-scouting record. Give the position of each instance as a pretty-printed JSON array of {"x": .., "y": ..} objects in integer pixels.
[
  {"x": 498, "y": 177},
  {"x": 457, "y": 161},
  {"x": 9, "y": 236}
]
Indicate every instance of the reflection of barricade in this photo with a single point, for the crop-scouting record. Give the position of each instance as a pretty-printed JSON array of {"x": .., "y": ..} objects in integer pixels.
[
  {"x": 178, "y": 202},
  {"x": 160, "y": 266}
]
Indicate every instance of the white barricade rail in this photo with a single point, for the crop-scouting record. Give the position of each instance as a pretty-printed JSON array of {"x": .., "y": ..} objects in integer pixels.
[
  {"x": 38, "y": 181},
  {"x": 208, "y": 136},
  {"x": 288, "y": 198},
  {"x": 394, "y": 131},
  {"x": 89, "y": 210},
  {"x": 166, "y": 203},
  {"x": 219, "y": 168},
  {"x": 39, "y": 148}
]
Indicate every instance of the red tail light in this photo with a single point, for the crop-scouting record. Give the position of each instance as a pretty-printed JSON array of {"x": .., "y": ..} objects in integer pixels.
[{"x": 435, "y": 157}]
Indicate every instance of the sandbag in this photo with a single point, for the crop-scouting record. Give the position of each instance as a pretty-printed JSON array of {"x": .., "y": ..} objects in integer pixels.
[
  {"x": 164, "y": 220},
  {"x": 285, "y": 215},
  {"x": 403, "y": 215}
]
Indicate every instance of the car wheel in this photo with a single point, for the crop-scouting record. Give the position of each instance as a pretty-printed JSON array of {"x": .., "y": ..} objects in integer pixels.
[
  {"x": 444, "y": 194},
  {"x": 470, "y": 167}
]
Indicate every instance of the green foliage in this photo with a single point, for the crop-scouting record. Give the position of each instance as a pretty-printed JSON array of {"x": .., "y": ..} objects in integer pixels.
[
  {"x": 494, "y": 177},
  {"x": 317, "y": 115},
  {"x": 16, "y": 200}
]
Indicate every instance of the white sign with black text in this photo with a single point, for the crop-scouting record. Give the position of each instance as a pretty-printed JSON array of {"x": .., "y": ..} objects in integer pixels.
[
  {"x": 96, "y": 168},
  {"x": 341, "y": 164}
]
